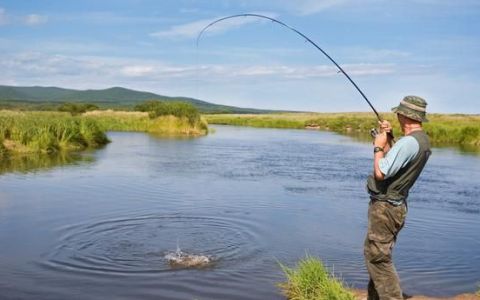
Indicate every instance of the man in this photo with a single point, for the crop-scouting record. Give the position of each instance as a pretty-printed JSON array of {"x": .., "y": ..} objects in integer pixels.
[{"x": 395, "y": 171}]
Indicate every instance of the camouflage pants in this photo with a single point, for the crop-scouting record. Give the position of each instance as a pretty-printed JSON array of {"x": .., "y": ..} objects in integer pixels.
[{"x": 384, "y": 223}]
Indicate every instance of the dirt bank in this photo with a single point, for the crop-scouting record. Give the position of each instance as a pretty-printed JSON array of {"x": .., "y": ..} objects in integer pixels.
[{"x": 362, "y": 295}]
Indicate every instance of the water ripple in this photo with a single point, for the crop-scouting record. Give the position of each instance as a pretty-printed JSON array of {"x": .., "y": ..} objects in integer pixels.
[{"x": 137, "y": 245}]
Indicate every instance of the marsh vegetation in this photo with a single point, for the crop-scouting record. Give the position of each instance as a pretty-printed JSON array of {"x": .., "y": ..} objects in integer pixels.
[
  {"x": 443, "y": 129},
  {"x": 47, "y": 132},
  {"x": 50, "y": 132},
  {"x": 110, "y": 120}
]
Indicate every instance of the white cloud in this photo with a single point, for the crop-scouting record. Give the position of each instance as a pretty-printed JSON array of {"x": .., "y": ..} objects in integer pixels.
[
  {"x": 192, "y": 29},
  {"x": 30, "y": 20},
  {"x": 188, "y": 30},
  {"x": 300, "y": 72},
  {"x": 137, "y": 70},
  {"x": 34, "y": 19},
  {"x": 92, "y": 71},
  {"x": 267, "y": 86},
  {"x": 36, "y": 66}
]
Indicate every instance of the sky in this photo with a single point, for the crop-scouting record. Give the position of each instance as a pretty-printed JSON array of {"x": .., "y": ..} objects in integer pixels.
[{"x": 390, "y": 48}]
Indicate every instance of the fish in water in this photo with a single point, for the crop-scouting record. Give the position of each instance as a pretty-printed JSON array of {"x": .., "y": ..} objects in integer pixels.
[{"x": 185, "y": 260}]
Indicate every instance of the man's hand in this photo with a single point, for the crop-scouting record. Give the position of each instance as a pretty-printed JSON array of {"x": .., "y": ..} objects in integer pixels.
[
  {"x": 384, "y": 137},
  {"x": 385, "y": 126},
  {"x": 381, "y": 140}
]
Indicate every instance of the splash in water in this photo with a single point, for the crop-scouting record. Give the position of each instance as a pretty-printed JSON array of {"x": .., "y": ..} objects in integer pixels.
[{"x": 182, "y": 259}]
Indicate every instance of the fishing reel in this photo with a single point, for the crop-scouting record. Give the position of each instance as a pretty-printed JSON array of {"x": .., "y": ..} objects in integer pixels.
[{"x": 374, "y": 132}]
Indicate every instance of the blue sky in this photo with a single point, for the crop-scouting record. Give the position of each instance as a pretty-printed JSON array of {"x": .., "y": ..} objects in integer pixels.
[{"x": 390, "y": 48}]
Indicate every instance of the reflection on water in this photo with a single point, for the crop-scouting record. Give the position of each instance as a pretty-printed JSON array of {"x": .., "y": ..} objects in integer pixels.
[
  {"x": 34, "y": 162},
  {"x": 464, "y": 149},
  {"x": 243, "y": 198}
]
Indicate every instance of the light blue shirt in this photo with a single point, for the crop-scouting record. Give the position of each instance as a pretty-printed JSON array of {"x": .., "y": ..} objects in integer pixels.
[{"x": 403, "y": 152}]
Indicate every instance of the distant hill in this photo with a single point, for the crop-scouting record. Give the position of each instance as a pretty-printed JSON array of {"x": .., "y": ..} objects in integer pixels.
[{"x": 116, "y": 97}]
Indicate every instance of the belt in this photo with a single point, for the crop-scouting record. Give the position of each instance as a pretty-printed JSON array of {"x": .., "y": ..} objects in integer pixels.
[{"x": 392, "y": 202}]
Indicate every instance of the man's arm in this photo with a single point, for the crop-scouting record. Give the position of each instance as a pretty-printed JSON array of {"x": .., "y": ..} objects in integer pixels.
[{"x": 381, "y": 141}]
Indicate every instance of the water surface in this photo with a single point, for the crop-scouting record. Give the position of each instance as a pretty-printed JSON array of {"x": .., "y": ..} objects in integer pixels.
[{"x": 100, "y": 228}]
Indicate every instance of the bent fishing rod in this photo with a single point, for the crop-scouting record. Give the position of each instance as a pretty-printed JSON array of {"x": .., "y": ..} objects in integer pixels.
[{"x": 302, "y": 35}]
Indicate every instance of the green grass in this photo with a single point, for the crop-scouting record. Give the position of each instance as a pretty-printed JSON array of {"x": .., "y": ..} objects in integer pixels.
[
  {"x": 156, "y": 108},
  {"x": 52, "y": 132},
  {"x": 47, "y": 132},
  {"x": 458, "y": 130},
  {"x": 296, "y": 121},
  {"x": 140, "y": 121},
  {"x": 310, "y": 280}
]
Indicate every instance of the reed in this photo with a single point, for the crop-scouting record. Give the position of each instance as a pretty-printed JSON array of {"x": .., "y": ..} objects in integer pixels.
[
  {"x": 50, "y": 132},
  {"x": 443, "y": 129},
  {"x": 26, "y": 132},
  {"x": 310, "y": 280},
  {"x": 141, "y": 121}
]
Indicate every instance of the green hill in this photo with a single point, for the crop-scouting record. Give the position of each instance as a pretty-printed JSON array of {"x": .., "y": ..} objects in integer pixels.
[{"x": 45, "y": 98}]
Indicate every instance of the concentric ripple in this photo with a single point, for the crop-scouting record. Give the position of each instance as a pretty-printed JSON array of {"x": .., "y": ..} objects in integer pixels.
[{"x": 139, "y": 244}]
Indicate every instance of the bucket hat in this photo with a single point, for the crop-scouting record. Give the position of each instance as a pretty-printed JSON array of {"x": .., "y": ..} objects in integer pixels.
[{"x": 412, "y": 107}]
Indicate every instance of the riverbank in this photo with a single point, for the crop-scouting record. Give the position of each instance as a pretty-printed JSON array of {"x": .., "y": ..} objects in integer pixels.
[
  {"x": 443, "y": 129},
  {"x": 50, "y": 132},
  {"x": 362, "y": 295},
  {"x": 110, "y": 120},
  {"x": 311, "y": 280},
  {"x": 47, "y": 132}
]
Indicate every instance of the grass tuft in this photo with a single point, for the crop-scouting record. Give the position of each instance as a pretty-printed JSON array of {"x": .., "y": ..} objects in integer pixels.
[
  {"x": 41, "y": 132},
  {"x": 310, "y": 280}
]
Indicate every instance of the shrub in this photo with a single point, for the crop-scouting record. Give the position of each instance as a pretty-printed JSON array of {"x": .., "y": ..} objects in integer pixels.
[
  {"x": 310, "y": 280},
  {"x": 147, "y": 106},
  {"x": 157, "y": 108},
  {"x": 76, "y": 108}
]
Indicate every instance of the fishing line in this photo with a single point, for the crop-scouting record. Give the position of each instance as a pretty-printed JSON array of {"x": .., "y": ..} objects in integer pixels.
[{"x": 340, "y": 69}]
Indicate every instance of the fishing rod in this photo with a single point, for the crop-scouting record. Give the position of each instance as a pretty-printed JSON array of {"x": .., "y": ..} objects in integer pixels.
[
  {"x": 373, "y": 132},
  {"x": 302, "y": 35}
]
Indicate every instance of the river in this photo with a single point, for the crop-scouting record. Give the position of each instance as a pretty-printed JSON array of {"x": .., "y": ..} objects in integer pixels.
[{"x": 98, "y": 226}]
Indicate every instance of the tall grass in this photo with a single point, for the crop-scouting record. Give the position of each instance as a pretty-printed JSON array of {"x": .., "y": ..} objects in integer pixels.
[
  {"x": 156, "y": 108},
  {"x": 263, "y": 121},
  {"x": 141, "y": 121},
  {"x": 47, "y": 132},
  {"x": 310, "y": 280},
  {"x": 460, "y": 130}
]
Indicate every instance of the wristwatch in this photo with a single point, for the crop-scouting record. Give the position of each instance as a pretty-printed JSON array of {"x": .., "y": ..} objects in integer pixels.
[{"x": 377, "y": 149}]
